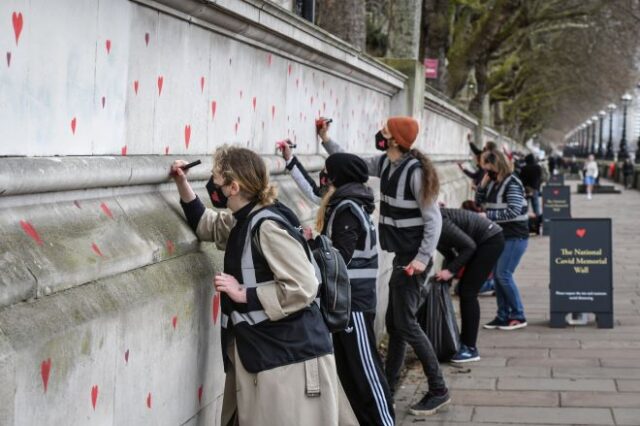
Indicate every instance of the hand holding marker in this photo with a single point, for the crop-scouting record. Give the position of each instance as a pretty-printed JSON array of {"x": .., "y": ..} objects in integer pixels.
[{"x": 187, "y": 167}]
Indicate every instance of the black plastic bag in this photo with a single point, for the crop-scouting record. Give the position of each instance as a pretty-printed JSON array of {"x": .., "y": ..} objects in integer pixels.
[{"x": 438, "y": 319}]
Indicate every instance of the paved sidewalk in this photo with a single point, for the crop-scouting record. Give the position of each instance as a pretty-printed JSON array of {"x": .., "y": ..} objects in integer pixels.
[{"x": 542, "y": 376}]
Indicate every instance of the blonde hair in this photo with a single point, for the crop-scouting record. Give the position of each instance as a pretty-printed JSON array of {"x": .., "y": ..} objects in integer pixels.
[
  {"x": 503, "y": 166},
  {"x": 322, "y": 210},
  {"x": 247, "y": 169}
]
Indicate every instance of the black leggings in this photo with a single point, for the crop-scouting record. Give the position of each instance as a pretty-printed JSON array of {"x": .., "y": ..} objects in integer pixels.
[{"x": 476, "y": 273}]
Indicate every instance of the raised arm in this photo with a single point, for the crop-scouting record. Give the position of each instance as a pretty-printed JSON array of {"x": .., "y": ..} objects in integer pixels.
[{"x": 306, "y": 184}]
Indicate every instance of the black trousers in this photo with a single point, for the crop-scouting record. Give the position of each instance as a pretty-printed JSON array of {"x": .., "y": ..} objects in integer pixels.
[
  {"x": 406, "y": 294},
  {"x": 476, "y": 273},
  {"x": 360, "y": 371}
]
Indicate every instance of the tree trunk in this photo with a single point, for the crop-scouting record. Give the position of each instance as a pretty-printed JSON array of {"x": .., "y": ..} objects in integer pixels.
[
  {"x": 405, "y": 20},
  {"x": 345, "y": 19}
]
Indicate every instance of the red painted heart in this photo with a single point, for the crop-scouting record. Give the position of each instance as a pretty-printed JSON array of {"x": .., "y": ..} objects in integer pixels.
[
  {"x": 215, "y": 307},
  {"x": 136, "y": 84},
  {"x": 104, "y": 100},
  {"x": 8, "y": 59},
  {"x": 73, "y": 125},
  {"x": 214, "y": 105},
  {"x": 146, "y": 38},
  {"x": 149, "y": 400},
  {"x": 269, "y": 59},
  {"x": 297, "y": 82},
  {"x": 312, "y": 100},
  {"x": 581, "y": 232},
  {"x": 94, "y": 396},
  {"x": 166, "y": 150},
  {"x": 200, "y": 394},
  {"x": 160, "y": 83},
  {"x": 290, "y": 69},
  {"x": 187, "y": 135},
  {"x": 108, "y": 46},
  {"x": 126, "y": 356},
  {"x": 236, "y": 128},
  {"x": 202, "y": 84},
  {"x": 123, "y": 151},
  {"x": 96, "y": 249},
  {"x": 174, "y": 321},
  {"x": 171, "y": 248},
  {"x": 30, "y": 231},
  {"x": 241, "y": 94},
  {"x": 105, "y": 208},
  {"x": 253, "y": 102},
  {"x": 45, "y": 369},
  {"x": 17, "y": 21}
]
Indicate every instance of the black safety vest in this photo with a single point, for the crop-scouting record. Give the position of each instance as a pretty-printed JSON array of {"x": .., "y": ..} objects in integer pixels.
[
  {"x": 401, "y": 224},
  {"x": 264, "y": 344},
  {"x": 363, "y": 267}
]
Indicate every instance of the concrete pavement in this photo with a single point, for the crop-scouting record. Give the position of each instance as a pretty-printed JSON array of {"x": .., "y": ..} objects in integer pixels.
[{"x": 541, "y": 376}]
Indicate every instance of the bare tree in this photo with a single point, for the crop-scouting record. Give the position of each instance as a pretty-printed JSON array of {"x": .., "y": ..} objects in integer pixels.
[{"x": 345, "y": 19}]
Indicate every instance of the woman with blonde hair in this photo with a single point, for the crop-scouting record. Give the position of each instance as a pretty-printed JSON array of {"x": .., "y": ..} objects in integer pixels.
[
  {"x": 276, "y": 347},
  {"x": 501, "y": 195}
]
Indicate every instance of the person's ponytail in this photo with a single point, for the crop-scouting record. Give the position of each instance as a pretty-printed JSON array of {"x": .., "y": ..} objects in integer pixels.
[{"x": 430, "y": 180}]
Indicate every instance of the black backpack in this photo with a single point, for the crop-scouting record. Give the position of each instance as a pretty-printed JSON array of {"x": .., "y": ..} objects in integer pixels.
[{"x": 331, "y": 270}]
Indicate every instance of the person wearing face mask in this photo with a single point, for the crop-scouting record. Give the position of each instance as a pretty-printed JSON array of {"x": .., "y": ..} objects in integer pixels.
[
  {"x": 276, "y": 348},
  {"x": 409, "y": 226},
  {"x": 502, "y": 196}
]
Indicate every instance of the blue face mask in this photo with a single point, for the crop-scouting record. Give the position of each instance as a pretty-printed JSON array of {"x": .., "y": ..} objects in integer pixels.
[{"x": 218, "y": 199}]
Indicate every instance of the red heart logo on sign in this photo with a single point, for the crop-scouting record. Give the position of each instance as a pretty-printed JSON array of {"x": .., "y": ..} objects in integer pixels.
[
  {"x": 45, "y": 369},
  {"x": 16, "y": 18},
  {"x": 187, "y": 135},
  {"x": 556, "y": 191},
  {"x": 581, "y": 232},
  {"x": 94, "y": 396}
]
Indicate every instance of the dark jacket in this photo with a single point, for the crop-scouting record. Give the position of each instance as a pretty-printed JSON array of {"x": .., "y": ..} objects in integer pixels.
[
  {"x": 462, "y": 233},
  {"x": 531, "y": 174}
]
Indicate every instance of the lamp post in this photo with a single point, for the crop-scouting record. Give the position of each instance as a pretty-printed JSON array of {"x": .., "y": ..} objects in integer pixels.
[
  {"x": 624, "y": 153},
  {"x": 600, "y": 152},
  {"x": 587, "y": 141},
  {"x": 592, "y": 148},
  {"x": 609, "y": 154},
  {"x": 583, "y": 138}
]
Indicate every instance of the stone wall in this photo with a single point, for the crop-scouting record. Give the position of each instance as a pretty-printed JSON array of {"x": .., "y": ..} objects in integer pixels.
[{"x": 107, "y": 311}]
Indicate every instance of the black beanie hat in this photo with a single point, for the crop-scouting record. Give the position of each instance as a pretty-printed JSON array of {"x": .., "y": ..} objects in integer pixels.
[{"x": 345, "y": 168}]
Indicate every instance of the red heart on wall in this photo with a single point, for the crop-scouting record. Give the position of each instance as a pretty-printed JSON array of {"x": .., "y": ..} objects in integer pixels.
[
  {"x": 202, "y": 84},
  {"x": 96, "y": 249},
  {"x": 73, "y": 125},
  {"x": 166, "y": 150},
  {"x": 581, "y": 232},
  {"x": 136, "y": 84},
  {"x": 45, "y": 369},
  {"x": 8, "y": 59},
  {"x": 94, "y": 396},
  {"x": 290, "y": 68},
  {"x": 269, "y": 59},
  {"x": 273, "y": 112},
  {"x": 30, "y": 231},
  {"x": 108, "y": 46},
  {"x": 214, "y": 105},
  {"x": 105, "y": 208},
  {"x": 170, "y": 247},
  {"x": 103, "y": 101},
  {"x": 215, "y": 307},
  {"x": 174, "y": 321},
  {"x": 146, "y": 38},
  {"x": 17, "y": 21},
  {"x": 123, "y": 151},
  {"x": 126, "y": 356},
  {"x": 149, "y": 400},
  {"x": 160, "y": 84},
  {"x": 187, "y": 135},
  {"x": 253, "y": 102},
  {"x": 200, "y": 394}
]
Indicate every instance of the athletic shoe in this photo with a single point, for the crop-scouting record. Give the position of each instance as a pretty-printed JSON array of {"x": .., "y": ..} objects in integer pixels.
[
  {"x": 466, "y": 354},
  {"x": 514, "y": 325},
  {"x": 487, "y": 293},
  {"x": 495, "y": 323},
  {"x": 430, "y": 404}
]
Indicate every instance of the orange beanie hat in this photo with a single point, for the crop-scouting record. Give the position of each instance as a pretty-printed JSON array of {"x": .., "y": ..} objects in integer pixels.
[{"x": 404, "y": 130}]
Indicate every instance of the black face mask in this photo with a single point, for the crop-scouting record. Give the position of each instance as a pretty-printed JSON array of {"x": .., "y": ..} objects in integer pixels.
[
  {"x": 382, "y": 143},
  {"x": 324, "y": 182},
  {"x": 492, "y": 175},
  {"x": 218, "y": 199}
]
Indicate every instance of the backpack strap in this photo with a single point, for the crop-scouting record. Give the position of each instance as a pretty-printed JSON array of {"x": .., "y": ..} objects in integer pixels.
[{"x": 295, "y": 232}]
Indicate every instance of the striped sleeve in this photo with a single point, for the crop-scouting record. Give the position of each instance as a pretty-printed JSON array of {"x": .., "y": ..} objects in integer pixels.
[{"x": 304, "y": 181}]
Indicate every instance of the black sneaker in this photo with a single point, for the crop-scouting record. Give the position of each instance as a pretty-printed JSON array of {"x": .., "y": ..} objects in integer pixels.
[
  {"x": 495, "y": 323},
  {"x": 430, "y": 404},
  {"x": 466, "y": 354}
]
